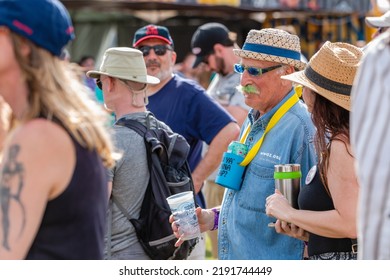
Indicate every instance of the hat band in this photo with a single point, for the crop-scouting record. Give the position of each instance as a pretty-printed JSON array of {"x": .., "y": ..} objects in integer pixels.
[
  {"x": 265, "y": 49},
  {"x": 327, "y": 84}
]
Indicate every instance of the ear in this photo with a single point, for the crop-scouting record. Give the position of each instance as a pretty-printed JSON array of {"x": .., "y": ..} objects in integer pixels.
[
  {"x": 218, "y": 49},
  {"x": 111, "y": 83},
  {"x": 173, "y": 57},
  {"x": 288, "y": 70}
]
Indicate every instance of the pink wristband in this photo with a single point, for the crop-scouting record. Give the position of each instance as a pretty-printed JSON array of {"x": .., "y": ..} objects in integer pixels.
[{"x": 216, "y": 218}]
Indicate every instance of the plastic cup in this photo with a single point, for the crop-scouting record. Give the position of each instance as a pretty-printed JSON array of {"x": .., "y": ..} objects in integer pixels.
[{"x": 183, "y": 209}]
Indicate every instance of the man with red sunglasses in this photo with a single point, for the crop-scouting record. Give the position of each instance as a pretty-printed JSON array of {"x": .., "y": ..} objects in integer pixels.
[{"x": 184, "y": 105}]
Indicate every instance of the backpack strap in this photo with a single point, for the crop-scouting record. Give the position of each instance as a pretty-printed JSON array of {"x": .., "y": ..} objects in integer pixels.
[
  {"x": 141, "y": 130},
  {"x": 109, "y": 230},
  {"x": 120, "y": 206},
  {"x": 134, "y": 125}
]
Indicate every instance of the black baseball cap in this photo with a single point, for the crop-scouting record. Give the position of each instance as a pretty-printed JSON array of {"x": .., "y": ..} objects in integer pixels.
[{"x": 205, "y": 37}]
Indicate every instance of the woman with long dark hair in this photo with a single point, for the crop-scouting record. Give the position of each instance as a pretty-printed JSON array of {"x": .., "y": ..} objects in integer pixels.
[{"x": 326, "y": 217}]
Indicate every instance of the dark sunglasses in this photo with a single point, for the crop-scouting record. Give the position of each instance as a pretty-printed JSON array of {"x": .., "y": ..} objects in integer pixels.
[
  {"x": 158, "y": 49},
  {"x": 254, "y": 71},
  {"x": 99, "y": 83}
]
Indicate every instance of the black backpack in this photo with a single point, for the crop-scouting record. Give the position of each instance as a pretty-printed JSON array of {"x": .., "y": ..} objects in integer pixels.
[{"x": 169, "y": 174}]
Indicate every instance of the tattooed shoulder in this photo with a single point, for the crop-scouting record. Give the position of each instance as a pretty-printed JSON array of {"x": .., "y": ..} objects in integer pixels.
[{"x": 11, "y": 187}]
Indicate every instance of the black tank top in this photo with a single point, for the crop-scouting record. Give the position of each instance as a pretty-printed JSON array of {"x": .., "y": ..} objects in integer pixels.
[
  {"x": 74, "y": 223},
  {"x": 313, "y": 196}
]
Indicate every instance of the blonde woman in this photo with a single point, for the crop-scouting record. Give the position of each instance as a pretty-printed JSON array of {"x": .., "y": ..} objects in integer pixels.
[{"x": 53, "y": 190}]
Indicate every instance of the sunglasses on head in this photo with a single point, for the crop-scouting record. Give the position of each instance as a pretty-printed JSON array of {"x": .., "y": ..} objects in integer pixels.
[
  {"x": 254, "y": 71},
  {"x": 158, "y": 49}
]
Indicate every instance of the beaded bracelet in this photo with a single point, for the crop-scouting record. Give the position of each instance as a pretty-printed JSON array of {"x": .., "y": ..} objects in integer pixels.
[{"x": 216, "y": 218}]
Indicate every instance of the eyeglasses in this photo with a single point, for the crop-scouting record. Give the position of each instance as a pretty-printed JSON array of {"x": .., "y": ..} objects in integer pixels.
[
  {"x": 99, "y": 83},
  {"x": 158, "y": 49},
  {"x": 136, "y": 86},
  {"x": 254, "y": 71}
]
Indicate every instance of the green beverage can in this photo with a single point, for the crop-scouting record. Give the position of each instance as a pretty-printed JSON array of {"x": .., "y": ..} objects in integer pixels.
[{"x": 238, "y": 148}]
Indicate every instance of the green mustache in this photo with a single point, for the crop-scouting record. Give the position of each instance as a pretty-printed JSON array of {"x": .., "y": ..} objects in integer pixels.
[{"x": 249, "y": 89}]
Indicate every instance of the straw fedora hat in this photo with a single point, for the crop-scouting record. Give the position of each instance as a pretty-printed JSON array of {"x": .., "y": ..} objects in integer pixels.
[
  {"x": 275, "y": 45},
  {"x": 124, "y": 63},
  {"x": 330, "y": 72}
]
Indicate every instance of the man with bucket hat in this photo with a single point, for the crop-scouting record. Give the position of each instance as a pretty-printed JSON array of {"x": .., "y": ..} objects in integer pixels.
[
  {"x": 278, "y": 130},
  {"x": 185, "y": 106},
  {"x": 123, "y": 79}
]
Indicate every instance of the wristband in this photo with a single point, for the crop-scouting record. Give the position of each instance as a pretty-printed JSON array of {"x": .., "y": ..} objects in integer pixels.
[{"x": 216, "y": 218}]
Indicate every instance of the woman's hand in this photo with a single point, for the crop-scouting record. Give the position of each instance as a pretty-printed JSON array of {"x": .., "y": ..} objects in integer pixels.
[
  {"x": 278, "y": 206},
  {"x": 291, "y": 230}
]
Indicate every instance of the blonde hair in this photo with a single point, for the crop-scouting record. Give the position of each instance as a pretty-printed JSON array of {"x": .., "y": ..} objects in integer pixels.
[{"x": 56, "y": 94}]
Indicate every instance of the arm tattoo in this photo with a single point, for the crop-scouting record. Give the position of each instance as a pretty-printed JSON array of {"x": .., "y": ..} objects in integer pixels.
[{"x": 13, "y": 171}]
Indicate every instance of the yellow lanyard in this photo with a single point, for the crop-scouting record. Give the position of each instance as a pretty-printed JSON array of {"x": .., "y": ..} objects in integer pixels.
[{"x": 274, "y": 120}]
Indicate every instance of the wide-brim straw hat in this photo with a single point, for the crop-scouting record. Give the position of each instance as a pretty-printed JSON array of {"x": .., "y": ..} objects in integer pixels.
[
  {"x": 330, "y": 72},
  {"x": 124, "y": 63},
  {"x": 274, "y": 45}
]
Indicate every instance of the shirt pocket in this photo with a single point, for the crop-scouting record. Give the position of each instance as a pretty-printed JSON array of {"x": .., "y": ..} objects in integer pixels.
[{"x": 258, "y": 184}]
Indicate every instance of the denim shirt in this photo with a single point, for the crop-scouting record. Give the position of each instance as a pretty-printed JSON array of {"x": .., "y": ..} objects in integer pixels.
[{"x": 243, "y": 231}]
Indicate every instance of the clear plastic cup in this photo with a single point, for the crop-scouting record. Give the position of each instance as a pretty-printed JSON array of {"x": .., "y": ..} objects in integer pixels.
[{"x": 183, "y": 209}]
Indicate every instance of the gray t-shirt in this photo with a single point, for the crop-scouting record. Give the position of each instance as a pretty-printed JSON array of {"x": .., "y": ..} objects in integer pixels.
[{"x": 129, "y": 178}]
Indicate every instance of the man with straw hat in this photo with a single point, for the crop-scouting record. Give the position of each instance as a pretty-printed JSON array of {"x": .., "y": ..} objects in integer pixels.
[
  {"x": 278, "y": 130},
  {"x": 123, "y": 79},
  {"x": 328, "y": 200}
]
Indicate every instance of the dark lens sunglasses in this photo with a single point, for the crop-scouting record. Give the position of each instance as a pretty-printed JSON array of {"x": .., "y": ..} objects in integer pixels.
[
  {"x": 254, "y": 71},
  {"x": 99, "y": 84},
  {"x": 158, "y": 49}
]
